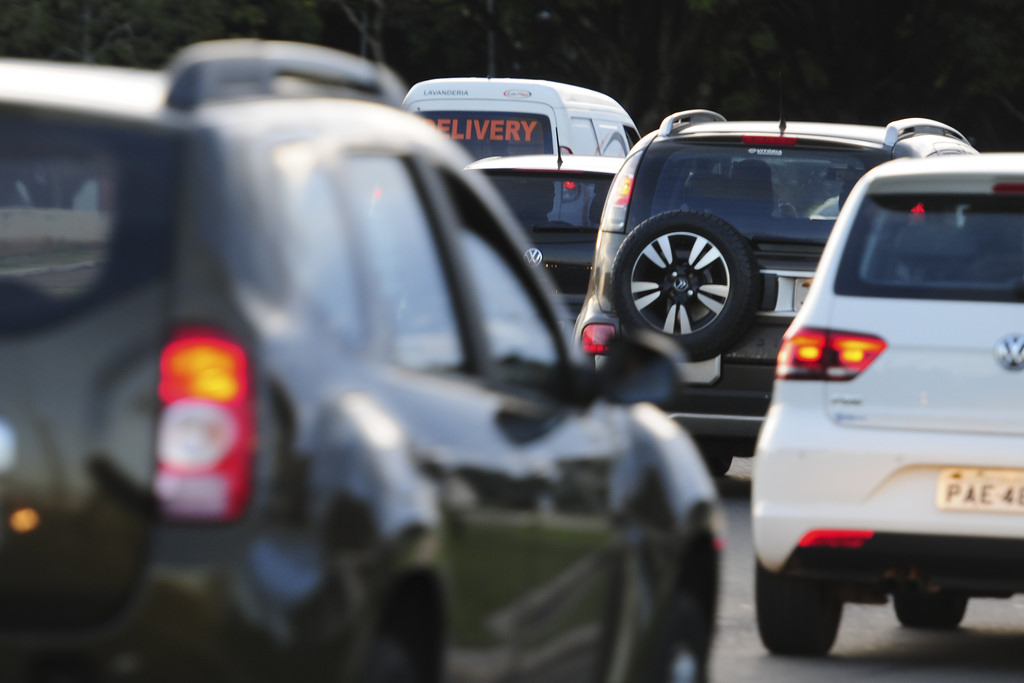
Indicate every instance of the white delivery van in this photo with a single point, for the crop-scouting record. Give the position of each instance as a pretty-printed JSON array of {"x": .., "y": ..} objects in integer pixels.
[{"x": 510, "y": 116}]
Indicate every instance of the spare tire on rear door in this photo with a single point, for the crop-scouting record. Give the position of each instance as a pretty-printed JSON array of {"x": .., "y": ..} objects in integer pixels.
[{"x": 690, "y": 275}]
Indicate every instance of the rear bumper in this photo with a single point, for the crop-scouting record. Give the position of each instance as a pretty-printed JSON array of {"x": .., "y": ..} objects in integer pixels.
[
  {"x": 812, "y": 473},
  {"x": 261, "y": 615},
  {"x": 979, "y": 566}
]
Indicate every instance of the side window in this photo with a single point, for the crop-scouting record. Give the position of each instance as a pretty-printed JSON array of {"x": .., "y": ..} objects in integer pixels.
[
  {"x": 525, "y": 351},
  {"x": 613, "y": 139},
  {"x": 315, "y": 246},
  {"x": 403, "y": 261},
  {"x": 584, "y": 139}
]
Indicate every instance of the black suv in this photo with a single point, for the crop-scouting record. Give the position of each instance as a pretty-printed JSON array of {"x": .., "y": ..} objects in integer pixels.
[
  {"x": 711, "y": 235},
  {"x": 281, "y": 400}
]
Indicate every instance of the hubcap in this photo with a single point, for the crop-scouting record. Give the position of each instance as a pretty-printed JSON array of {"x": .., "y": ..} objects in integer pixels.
[{"x": 680, "y": 283}]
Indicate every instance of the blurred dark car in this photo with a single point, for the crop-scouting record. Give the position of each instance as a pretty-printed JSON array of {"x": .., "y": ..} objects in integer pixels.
[
  {"x": 558, "y": 200},
  {"x": 282, "y": 402}
]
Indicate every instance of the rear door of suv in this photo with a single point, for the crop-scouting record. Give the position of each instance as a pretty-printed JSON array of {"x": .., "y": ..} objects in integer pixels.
[{"x": 85, "y": 222}]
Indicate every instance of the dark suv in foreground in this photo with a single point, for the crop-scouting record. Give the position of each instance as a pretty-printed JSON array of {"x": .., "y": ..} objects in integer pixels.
[
  {"x": 711, "y": 235},
  {"x": 282, "y": 402}
]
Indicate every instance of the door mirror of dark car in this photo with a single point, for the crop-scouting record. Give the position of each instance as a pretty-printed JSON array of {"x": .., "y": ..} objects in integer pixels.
[{"x": 641, "y": 367}]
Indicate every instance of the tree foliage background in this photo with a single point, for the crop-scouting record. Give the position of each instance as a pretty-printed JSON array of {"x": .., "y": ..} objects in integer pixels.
[{"x": 859, "y": 61}]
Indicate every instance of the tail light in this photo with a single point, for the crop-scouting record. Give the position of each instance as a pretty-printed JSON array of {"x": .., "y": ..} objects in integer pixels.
[
  {"x": 205, "y": 436},
  {"x": 596, "y": 338},
  {"x": 614, "y": 217},
  {"x": 826, "y": 354},
  {"x": 836, "y": 538}
]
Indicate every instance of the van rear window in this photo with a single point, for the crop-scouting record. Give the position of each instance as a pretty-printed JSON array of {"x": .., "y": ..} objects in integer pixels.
[
  {"x": 84, "y": 212},
  {"x": 488, "y": 133}
]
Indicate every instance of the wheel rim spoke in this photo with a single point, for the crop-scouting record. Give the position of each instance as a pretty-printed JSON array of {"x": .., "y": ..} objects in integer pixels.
[
  {"x": 719, "y": 291},
  {"x": 714, "y": 305},
  {"x": 684, "y": 321},
  {"x": 643, "y": 302},
  {"x": 670, "y": 319},
  {"x": 707, "y": 257},
  {"x": 656, "y": 250}
]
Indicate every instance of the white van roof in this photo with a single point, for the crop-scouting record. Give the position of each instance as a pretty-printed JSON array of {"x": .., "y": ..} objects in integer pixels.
[{"x": 522, "y": 89}]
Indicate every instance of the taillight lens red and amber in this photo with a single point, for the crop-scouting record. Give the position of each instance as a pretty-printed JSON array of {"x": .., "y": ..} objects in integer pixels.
[
  {"x": 205, "y": 435},
  {"x": 808, "y": 353}
]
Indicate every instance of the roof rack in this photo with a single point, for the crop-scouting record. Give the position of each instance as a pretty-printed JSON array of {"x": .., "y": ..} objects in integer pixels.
[
  {"x": 682, "y": 119},
  {"x": 904, "y": 128},
  {"x": 222, "y": 70}
]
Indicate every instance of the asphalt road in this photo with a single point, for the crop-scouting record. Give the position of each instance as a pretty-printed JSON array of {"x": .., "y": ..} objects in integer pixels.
[{"x": 871, "y": 646}]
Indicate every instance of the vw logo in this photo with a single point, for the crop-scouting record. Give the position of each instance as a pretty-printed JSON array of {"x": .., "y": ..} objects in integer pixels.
[
  {"x": 533, "y": 256},
  {"x": 1010, "y": 351}
]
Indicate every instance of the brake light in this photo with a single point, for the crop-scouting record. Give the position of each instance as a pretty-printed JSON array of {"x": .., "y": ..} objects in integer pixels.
[
  {"x": 836, "y": 538},
  {"x": 1008, "y": 188},
  {"x": 826, "y": 354},
  {"x": 205, "y": 434},
  {"x": 777, "y": 140},
  {"x": 597, "y": 338},
  {"x": 623, "y": 191}
]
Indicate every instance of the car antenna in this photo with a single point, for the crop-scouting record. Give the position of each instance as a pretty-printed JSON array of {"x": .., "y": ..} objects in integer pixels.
[
  {"x": 558, "y": 149},
  {"x": 782, "y": 116}
]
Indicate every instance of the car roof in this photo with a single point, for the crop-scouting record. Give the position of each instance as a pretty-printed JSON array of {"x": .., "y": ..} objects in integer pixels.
[
  {"x": 473, "y": 87},
  {"x": 105, "y": 90},
  {"x": 874, "y": 135},
  {"x": 567, "y": 163},
  {"x": 969, "y": 173}
]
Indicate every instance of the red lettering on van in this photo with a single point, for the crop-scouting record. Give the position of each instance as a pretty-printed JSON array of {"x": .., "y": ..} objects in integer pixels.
[
  {"x": 445, "y": 126},
  {"x": 455, "y": 131},
  {"x": 528, "y": 127},
  {"x": 497, "y": 130},
  {"x": 480, "y": 127},
  {"x": 512, "y": 130}
]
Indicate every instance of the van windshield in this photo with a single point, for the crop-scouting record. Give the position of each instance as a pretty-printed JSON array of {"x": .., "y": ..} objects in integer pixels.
[{"x": 490, "y": 134}]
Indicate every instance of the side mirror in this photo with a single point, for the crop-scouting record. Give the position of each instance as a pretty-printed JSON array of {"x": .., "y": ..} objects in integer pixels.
[{"x": 643, "y": 366}]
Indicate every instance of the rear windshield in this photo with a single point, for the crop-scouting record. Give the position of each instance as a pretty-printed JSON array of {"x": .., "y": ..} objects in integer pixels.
[
  {"x": 84, "y": 214},
  {"x": 754, "y": 188},
  {"x": 490, "y": 134},
  {"x": 964, "y": 247},
  {"x": 562, "y": 201}
]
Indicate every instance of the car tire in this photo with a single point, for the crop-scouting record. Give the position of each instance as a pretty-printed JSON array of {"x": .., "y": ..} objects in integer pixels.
[
  {"x": 690, "y": 275},
  {"x": 389, "y": 662},
  {"x": 682, "y": 655},
  {"x": 941, "y": 611},
  {"x": 796, "y": 616}
]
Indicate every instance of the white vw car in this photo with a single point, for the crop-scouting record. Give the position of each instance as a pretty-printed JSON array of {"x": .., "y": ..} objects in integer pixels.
[{"x": 891, "y": 461}]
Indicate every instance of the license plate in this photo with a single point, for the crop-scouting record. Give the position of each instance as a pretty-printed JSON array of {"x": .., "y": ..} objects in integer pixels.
[
  {"x": 800, "y": 289},
  {"x": 970, "y": 489}
]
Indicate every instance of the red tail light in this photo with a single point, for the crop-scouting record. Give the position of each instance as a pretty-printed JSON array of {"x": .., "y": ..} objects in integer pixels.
[
  {"x": 779, "y": 140},
  {"x": 622, "y": 191},
  {"x": 826, "y": 354},
  {"x": 205, "y": 436},
  {"x": 836, "y": 538},
  {"x": 596, "y": 338}
]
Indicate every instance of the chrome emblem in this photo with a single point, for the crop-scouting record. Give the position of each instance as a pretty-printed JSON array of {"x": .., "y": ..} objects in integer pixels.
[
  {"x": 1010, "y": 351},
  {"x": 533, "y": 256}
]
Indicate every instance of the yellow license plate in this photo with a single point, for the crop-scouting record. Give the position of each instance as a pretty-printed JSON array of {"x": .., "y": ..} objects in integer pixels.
[{"x": 980, "y": 490}]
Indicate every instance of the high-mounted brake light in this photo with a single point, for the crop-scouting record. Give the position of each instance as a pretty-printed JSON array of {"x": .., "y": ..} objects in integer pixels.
[
  {"x": 1008, "y": 188},
  {"x": 597, "y": 338},
  {"x": 836, "y": 538},
  {"x": 205, "y": 437},
  {"x": 826, "y": 354},
  {"x": 777, "y": 140}
]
